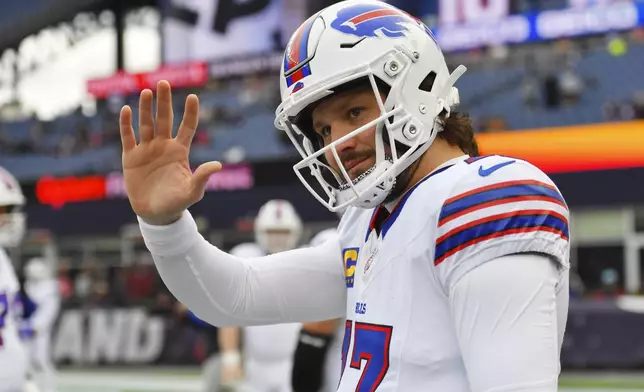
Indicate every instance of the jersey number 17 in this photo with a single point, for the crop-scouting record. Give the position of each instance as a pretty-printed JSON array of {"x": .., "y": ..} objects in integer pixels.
[{"x": 370, "y": 352}]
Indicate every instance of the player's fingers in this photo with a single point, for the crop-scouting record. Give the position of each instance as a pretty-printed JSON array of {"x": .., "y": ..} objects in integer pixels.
[
  {"x": 165, "y": 116},
  {"x": 190, "y": 121},
  {"x": 200, "y": 178},
  {"x": 146, "y": 118},
  {"x": 127, "y": 131}
]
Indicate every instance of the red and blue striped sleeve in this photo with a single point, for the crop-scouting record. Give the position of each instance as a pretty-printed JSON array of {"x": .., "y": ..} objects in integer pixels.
[{"x": 487, "y": 220}]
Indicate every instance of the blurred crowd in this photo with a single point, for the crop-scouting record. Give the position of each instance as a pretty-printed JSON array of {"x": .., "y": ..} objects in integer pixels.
[
  {"x": 63, "y": 137},
  {"x": 551, "y": 80},
  {"x": 92, "y": 283},
  {"x": 555, "y": 80}
]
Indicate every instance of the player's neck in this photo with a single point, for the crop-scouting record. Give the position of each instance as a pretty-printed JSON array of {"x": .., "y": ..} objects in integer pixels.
[{"x": 436, "y": 155}]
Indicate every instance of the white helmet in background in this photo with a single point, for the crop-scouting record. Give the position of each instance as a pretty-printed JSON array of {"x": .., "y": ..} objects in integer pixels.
[
  {"x": 364, "y": 43},
  {"x": 12, "y": 219},
  {"x": 278, "y": 227},
  {"x": 38, "y": 269}
]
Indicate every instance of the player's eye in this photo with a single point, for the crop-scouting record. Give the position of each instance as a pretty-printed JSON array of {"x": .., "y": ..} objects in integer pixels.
[
  {"x": 355, "y": 113},
  {"x": 324, "y": 132}
]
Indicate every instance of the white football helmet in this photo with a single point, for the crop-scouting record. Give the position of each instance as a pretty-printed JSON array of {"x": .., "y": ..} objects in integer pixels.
[
  {"x": 38, "y": 269},
  {"x": 12, "y": 219},
  {"x": 377, "y": 44},
  {"x": 278, "y": 227}
]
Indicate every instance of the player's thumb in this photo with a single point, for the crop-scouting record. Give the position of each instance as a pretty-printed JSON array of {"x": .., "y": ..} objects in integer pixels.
[{"x": 201, "y": 176}]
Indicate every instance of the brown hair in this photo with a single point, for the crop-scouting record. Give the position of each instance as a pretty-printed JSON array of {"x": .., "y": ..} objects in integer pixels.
[{"x": 458, "y": 131}]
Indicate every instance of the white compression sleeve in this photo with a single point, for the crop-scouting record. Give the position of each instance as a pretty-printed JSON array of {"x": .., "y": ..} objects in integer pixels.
[
  {"x": 295, "y": 286},
  {"x": 510, "y": 315}
]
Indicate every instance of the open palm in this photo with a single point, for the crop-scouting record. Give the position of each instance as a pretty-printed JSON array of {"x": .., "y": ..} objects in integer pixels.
[{"x": 158, "y": 179}]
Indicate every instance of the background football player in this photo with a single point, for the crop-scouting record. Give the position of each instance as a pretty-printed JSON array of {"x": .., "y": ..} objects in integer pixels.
[
  {"x": 266, "y": 362},
  {"x": 13, "y": 358},
  {"x": 42, "y": 288}
]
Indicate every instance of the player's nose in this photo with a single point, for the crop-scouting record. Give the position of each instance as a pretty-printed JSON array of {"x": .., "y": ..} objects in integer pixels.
[{"x": 340, "y": 130}]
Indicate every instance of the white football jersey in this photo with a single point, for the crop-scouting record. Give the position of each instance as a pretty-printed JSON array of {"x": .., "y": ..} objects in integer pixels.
[
  {"x": 266, "y": 342},
  {"x": 45, "y": 293},
  {"x": 323, "y": 236},
  {"x": 399, "y": 334},
  {"x": 12, "y": 353}
]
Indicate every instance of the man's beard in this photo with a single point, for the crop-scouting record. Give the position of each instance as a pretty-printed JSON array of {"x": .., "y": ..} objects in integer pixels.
[
  {"x": 400, "y": 182},
  {"x": 362, "y": 175},
  {"x": 356, "y": 180}
]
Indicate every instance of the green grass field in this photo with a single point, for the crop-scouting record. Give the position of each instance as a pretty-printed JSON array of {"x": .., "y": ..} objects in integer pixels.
[
  {"x": 188, "y": 380},
  {"x": 603, "y": 381}
]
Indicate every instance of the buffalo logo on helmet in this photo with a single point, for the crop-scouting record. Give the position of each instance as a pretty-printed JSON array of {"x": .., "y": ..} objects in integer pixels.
[{"x": 370, "y": 20}]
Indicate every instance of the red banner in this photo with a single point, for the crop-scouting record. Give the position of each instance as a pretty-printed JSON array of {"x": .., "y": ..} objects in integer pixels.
[
  {"x": 193, "y": 74},
  {"x": 56, "y": 192}
]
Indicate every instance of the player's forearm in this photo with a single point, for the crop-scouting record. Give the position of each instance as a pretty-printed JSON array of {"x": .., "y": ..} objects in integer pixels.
[
  {"x": 228, "y": 291},
  {"x": 228, "y": 339},
  {"x": 507, "y": 309},
  {"x": 310, "y": 355},
  {"x": 325, "y": 328},
  {"x": 309, "y": 361},
  {"x": 229, "y": 347}
]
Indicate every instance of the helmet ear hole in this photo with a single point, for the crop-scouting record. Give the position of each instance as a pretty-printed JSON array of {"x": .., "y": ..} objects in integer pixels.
[{"x": 428, "y": 83}]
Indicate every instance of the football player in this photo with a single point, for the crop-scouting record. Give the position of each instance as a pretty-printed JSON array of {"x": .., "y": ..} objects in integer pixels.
[
  {"x": 13, "y": 358},
  {"x": 267, "y": 350},
  {"x": 451, "y": 269},
  {"x": 42, "y": 288}
]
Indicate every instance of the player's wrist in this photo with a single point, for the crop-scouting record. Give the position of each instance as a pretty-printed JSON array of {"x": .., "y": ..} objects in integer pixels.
[
  {"x": 231, "y": 358},
  {"x": 161, "y": 220},
  {"x": 173, "y": 239}
]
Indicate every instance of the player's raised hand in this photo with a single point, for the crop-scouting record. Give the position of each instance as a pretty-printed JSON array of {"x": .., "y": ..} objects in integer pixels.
[{"x": 158, "y": 179}]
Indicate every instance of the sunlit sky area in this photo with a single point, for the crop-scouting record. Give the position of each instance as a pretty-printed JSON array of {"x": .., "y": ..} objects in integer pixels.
[{"x": 59, "y": 84}]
